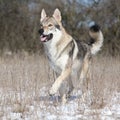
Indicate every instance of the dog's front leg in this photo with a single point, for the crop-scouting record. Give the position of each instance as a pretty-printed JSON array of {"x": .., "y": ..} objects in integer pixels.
[{"x": 64, "y": 75}]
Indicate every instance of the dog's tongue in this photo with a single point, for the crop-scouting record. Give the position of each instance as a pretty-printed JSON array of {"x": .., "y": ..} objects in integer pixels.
[{"x": 43, "y": 38}]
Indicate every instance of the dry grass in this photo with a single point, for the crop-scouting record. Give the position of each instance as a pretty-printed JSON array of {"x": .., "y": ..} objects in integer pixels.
[
  {"x": 105, "y": 80},
  {"x": 22, "y": 76}
]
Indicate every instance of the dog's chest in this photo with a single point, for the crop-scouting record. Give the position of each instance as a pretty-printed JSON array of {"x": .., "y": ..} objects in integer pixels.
[{"x": 57, "y": 63}]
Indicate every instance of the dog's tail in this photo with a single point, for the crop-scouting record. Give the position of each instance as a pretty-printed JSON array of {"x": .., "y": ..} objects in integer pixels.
[{"x": 96, "y": 40}]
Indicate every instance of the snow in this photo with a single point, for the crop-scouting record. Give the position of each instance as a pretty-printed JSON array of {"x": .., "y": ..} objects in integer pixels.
[{"x": 50, "y": 108}]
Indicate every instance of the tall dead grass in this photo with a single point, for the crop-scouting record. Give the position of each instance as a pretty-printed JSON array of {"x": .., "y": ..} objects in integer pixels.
[
  {"x": 105, "y": 80},
  {"x": 25, "y": 74}
]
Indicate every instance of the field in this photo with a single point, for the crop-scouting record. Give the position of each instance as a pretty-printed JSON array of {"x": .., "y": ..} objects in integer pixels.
[{"x": 25, "y": 81}]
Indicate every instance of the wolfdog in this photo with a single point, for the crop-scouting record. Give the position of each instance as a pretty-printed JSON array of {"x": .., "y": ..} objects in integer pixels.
[{"x": 68, "y": 57}]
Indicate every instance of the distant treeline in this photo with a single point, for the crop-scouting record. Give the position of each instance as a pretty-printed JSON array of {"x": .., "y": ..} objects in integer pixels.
[{"x": 19, "y": 22}]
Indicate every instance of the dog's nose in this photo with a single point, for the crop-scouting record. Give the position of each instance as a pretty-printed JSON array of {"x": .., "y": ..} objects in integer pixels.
[{"x": 40, "y": 31}]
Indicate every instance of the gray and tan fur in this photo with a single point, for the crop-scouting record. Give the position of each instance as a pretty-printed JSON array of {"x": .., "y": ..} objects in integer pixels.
[{"x": 68, "y": 57}]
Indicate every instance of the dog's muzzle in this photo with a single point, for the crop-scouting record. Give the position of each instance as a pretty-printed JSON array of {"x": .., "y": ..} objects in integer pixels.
[{"x": 43, "y": 37}]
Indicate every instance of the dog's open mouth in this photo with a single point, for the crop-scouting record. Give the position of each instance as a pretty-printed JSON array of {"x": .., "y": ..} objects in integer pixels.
[{"x": 45, "y": 38}]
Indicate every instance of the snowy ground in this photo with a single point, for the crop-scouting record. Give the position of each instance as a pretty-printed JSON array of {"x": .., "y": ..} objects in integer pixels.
[{"x": 50, "y": 108}]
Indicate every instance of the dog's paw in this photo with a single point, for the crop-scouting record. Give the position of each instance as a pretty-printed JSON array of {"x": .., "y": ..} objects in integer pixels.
[
  {"x": 52, "y": 91},
  {"x": 64, "y": 99}
]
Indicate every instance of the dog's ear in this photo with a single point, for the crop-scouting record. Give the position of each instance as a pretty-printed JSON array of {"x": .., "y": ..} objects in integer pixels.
[
  {"x": 57, "y": 14},
  {"x": 43, "y": 15}
]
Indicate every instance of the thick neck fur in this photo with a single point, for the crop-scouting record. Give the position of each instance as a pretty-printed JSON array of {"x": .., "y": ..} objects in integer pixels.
[{"x": 58, "y": 43}]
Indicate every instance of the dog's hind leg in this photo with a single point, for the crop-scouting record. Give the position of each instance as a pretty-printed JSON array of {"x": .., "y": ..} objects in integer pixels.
[
  {"x": 63, "y": 91},
  {"x": 84, "y": 70},
  {"x": 84, "y": 81},
  {"x": 71, "y": 87},
  {"x": 66, "y": 89}
]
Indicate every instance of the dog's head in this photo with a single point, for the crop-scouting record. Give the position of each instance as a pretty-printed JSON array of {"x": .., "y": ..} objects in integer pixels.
[{"x": 50, "y": 27}]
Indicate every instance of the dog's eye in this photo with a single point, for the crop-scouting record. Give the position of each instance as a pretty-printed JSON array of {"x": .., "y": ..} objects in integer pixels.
[
  {"x": 50, "y": 25},
  {"x": 41, "y": 25}
]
